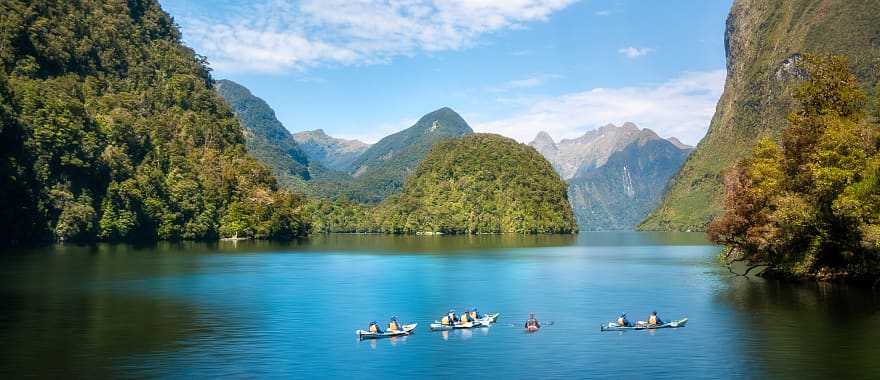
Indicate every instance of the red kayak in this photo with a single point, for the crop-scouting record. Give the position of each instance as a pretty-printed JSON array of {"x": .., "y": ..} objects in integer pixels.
[{"x": 532, "y": 328}]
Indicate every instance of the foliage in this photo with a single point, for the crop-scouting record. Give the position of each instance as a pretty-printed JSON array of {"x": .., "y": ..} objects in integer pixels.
[
  {"x": 811, "y": 206},
  {"x": 479, "y": 183},
  {"x": 763, "y": 42},
  {"x": 111, "y": 130}
]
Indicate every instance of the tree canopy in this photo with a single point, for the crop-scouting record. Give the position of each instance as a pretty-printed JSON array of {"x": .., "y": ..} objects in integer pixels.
[{"x": 810, "y": 206}]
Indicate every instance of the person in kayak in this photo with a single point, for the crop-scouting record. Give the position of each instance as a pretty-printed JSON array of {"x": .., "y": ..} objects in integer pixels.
[
  {"x": 449, "y": 319},
  {"x": 394, "y": 325},
  {"x": 532, "y": 322},
  {"x": 374, "y": 328},
  {"x": 474, "y": 314},
  {"x": 622, "y": 321},
  {"x": 654, "y": 319},
  {"x": 465, "y": 317}
]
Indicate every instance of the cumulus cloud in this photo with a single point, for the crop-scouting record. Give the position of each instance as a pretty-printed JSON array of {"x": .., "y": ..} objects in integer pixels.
[
  {"x": 283, "y": 35},
  {"x": 634, "y": 52},
  {"x": 681, "y": 107}
]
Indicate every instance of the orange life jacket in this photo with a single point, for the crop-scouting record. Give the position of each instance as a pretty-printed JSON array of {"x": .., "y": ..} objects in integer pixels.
[
  {"x": 374, "y": 328},
  {"x": 464, "y": 318},
  {"x": 652, "y": 320},
  {"x": 393, "y": 326},
  {"x": 620, "y": 321},
  {"x": 474, "y": 315},
  {"x": 444, "y": 320}
]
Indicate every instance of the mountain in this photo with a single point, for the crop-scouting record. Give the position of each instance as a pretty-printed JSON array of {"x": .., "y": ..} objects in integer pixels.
[
  {"x": 266, "y": 138},
  {"x": 616, "y": 175},
  {"x": 764, "y": 39},
  {"x": 480, "y": 183},
  {"x": 590, "y": 150},
  {"x": 112, "y": 131},
  {"x": 333, "y": 153},
  {"x": 381, "y": 169}
]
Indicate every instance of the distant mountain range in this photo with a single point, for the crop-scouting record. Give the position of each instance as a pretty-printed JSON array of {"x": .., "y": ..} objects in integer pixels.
[
  {"x": 333, "y": 153},
  {"x": 317, "y": 164},
  {"x": 616, "y": 175}
]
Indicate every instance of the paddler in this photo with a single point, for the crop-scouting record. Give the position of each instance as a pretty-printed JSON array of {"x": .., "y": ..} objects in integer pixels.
[
  {"x": 374, "y": 328},
  {"x": 622, "y": 321},
  {"x": 474, "y": 314},
  {"x": 394, "y": 325},
  {"x": 654, "y": 319},
  {"x": 532, "y": 323},
  {"x": 449, "y": 319}
]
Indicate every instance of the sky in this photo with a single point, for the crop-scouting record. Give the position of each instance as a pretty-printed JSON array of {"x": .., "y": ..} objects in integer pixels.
[{"x": 366, "y": 68}]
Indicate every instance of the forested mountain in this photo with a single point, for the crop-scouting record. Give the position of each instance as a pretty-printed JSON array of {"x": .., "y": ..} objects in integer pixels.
[
  {"x": 479, "y": 183},
  {"x": 266, "y": 138},
  {"x": 764, "y": 41},
  {"x": 381, "y": 169},
  {"x": 112, "y": 130},
  {"x": 334, "y": 153},
  {"x": 616, "y": 175}
]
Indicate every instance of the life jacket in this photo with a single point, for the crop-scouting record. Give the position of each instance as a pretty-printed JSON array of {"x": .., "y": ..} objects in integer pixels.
[
  {"x": 474, "y": 315},
  {"x": 532, "y": 322},
  {"x": 652, "y": 320},
  {"x": 373, "y": 328},
  {"x": 392, "y": 326},
  {"x": 464, "y": 318},
  {"x": 444, "y": 320},
  {"x": 621, "y": 321}
]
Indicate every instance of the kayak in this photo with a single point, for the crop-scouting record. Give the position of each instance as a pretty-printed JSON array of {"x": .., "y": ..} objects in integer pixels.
[
  {"x": 532, "y": 328},
  {"x": 437, "y": 326},
  {"x": 407, "y": 329},
  {"x": 612, "y": 326},
  {"x": 485, "y": 321}
]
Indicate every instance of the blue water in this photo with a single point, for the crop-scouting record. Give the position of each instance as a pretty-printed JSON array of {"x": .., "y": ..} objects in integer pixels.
[{"x": 268, "y": 310}]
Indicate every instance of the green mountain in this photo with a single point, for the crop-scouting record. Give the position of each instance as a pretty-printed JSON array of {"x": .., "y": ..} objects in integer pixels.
[
  {"x": 112, "y": 130},
  {"x": 616, "y": 175},
  {"x": 334, "y": 153},
  {"x": 764, "y": 40},
  {"x": 266, "y": 138},
  {"x": 381, "y": 169},
  {"x": 480, "y": 183}
]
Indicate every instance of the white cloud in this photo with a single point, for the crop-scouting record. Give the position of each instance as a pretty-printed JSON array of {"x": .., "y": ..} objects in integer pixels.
[
  {"x": 373, "y": 134},
  {"x": 283, "y": 35},
  {"x": 634, "y": 52},
  {"x": 681, "y": 107},
  {"x": 534, "y": 80},
  {"x": 603, "y": 13}
]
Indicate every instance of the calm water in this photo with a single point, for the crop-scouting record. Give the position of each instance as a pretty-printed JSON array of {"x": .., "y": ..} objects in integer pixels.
[{"x": 268, "y": 310}]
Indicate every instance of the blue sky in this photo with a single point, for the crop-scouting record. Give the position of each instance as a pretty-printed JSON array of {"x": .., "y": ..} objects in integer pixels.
[{"x": 366, "y": 68}]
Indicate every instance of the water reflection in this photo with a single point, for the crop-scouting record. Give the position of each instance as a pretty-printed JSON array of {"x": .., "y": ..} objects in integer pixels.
[{"x": 808, "y": 330}]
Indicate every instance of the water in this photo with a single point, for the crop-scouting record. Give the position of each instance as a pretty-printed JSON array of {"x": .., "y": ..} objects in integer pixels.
[{"x": 270, "y": 310}]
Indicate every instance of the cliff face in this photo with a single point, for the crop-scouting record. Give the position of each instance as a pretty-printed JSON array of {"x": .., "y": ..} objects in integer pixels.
[{"x": 764, "y": 40}]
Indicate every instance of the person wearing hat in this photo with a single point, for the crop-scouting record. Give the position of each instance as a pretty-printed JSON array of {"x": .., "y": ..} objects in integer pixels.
[
  {"x": 622, "y": 321},
  {"x": 654, "y": 319}
]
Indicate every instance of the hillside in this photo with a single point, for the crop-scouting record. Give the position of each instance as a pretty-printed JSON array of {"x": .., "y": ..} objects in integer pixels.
[
  {"x": 616, "y": 175},
  {"x": 267, "y": 139},
  {"x": 112, "y": 131},
  {"x": 763, "y": 40},
  {"x": 481, "y": 183},
  {"x": 381, "y": 169},
  {"x": 334, "y": 153}
]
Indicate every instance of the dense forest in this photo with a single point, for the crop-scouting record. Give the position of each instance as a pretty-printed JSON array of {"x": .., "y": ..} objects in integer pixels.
[
  {"x": 479, "y": 183},
  {"x": 111, "y": 130},
  {"x": 809, "y": 207}
]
